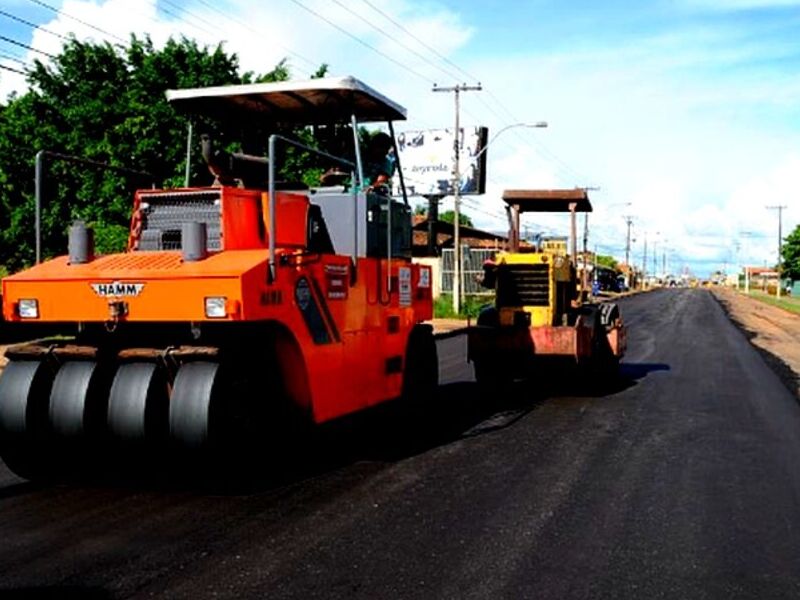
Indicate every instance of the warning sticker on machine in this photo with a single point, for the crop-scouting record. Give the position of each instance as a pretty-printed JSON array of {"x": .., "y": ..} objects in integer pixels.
[
  {"x": 404, "y": 285},
  {"x": 336, "y": 281},
  {"x": 424, "y": 278}
]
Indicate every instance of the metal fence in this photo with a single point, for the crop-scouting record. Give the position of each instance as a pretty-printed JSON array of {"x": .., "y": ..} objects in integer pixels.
[{"x": 472, "y": 260}]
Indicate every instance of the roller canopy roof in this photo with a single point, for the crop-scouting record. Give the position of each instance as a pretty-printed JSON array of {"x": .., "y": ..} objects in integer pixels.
[
  {"x": 325, "y": 100},
  {"x": 548, "y": 200}
]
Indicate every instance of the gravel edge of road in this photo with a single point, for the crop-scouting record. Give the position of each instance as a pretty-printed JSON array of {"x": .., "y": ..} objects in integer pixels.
[{"x": 788, "y": 376}]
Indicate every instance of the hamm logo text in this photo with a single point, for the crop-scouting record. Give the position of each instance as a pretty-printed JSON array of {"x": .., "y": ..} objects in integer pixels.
[{"x": 117, "y": 288}]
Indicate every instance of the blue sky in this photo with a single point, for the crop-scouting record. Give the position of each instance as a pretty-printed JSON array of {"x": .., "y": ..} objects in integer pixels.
[{"x": 684, "y": 113}]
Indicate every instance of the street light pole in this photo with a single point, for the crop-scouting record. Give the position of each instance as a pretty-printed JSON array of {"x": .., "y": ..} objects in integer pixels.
[{"x": 537, "y": 124}]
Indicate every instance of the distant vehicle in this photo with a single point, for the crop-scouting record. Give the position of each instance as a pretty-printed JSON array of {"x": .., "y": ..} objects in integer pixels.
[{"x": 607, "y": 279}]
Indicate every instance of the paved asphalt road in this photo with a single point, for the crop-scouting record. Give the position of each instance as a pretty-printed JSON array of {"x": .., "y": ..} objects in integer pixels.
[{"x": 684, "y": 482}]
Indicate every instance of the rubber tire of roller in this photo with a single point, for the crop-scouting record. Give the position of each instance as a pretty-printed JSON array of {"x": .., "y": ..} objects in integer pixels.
[
  {"x": 137, "y": 403},
  {"x": 191, "y": 405}
]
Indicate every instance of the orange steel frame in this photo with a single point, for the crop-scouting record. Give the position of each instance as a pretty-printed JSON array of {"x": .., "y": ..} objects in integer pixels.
[{"x": 352, "y": 361}]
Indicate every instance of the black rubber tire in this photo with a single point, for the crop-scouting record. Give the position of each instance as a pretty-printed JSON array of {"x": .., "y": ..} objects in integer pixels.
[
  {"x": 602, "y": 369},
  {"x": 77, "y": 404},
  {"x": 193, "y": 406},
  {"x": 138, "y": 404},
  {"x": 421, "y": 366},
  {"x": 492, "y": 376},
  {"x": 24, "y": 389},
  {"x": 485, "y": 372}
]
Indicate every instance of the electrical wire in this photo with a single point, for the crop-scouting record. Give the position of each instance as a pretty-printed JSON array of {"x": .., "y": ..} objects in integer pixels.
[
  {"x": 21, "y": 45},
  {"x": 362, "y": 42},
  {"x": 395, "y": 40},
  {"x": 499, "y": 103},
  {"x": 77, "y": 20},
  {"x": 186, "y": 21},
  {"x": 563, "y": 171},
  {"x": 192, "y": 15},
  {"x": 15, "y": 59},
  {"x": 418, "y": 40},
  {"x": 249, "y": 27},
  {"x": 473, "y": 205},
  {"x": 12, "y": 69},
  {"x": 32, "y": 25},
  {"x": 542, "y": 148},
  {"x": 553, "y": 158}
]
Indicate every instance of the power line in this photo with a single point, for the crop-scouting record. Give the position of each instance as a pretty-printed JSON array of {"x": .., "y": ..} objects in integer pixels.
[
  {"x": 256, "y": 32},
  {"x": 77, "y": 20},
  {"x": 360, "y": 41},
  {"x": 189, "y": 13},
  {"x": 541, "y": 149},
  {"x": 21, "y": 45},
  {"x": 191, "y": 21},
  {"x": 395, "y": 40},
  {"x": 184, "y": 18},
  {"x": 13, "y": 58},
  {"x": 414, "y": 37},
  {"x": 563, "y": 171},
  {"x": 32, "y": 25},
  {"x": 12, "y": 69},
  {"x": 474, "y": 206}
]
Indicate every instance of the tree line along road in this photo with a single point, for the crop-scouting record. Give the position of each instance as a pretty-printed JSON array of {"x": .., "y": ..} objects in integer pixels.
[{"x": 680, "y": 482}]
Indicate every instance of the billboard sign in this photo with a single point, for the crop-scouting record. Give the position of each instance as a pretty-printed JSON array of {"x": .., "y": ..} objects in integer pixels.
[{"x": 426, "y": 157}]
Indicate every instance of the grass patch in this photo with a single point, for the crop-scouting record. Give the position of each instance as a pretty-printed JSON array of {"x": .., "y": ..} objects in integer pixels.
[
  {"x": 784, "y": 302},
  {"x": 470, "y": 307}
]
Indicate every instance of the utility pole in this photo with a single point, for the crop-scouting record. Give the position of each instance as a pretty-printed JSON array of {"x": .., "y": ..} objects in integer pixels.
[
  {"x": 655, "y": 258},
  {"x": 746, "y": 235},
  {"x": 630, "y": 277},
  {"x": 628, "y": 222},
  {"x": 457, "y": 89},
  {"x": 585, "y": 274},
  {"x": 644, "y": 262},
  {"x": 780, "y": 209}
]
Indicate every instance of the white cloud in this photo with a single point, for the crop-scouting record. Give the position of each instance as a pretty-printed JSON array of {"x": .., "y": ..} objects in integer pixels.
[{"x": 10, "y": 81}]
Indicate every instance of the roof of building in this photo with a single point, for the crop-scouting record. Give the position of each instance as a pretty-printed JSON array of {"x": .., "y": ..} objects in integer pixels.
[
  {"x": 420, "y": 223},
  {"x": 548, "y": 200}
]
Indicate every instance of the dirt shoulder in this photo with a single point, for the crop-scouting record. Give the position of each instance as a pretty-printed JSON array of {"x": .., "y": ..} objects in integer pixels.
[{"x": 773, "y": 331}]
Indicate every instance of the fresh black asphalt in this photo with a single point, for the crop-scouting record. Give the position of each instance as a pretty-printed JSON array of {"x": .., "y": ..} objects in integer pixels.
[{"x": 681, "y": 481}]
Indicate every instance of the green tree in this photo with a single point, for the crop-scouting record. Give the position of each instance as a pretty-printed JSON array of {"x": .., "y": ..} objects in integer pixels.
[
  {"x": 606, "y": 261},
  {"x": 107, "y": 104},
  {"x": 449, "y": 216},
  {"x": 790, "y": 253}
]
